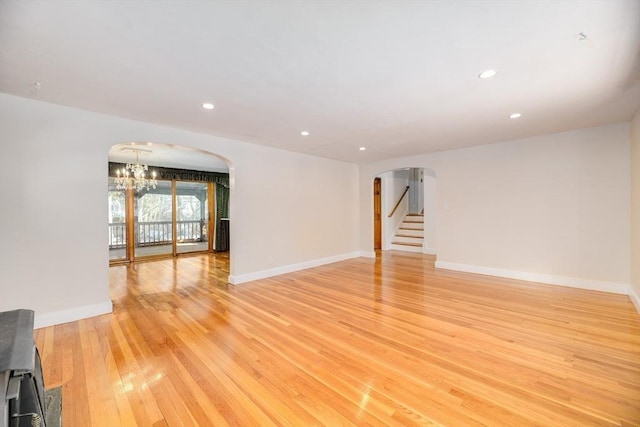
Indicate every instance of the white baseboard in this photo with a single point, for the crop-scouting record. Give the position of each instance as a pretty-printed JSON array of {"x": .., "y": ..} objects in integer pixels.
[
  {"x": 635, "y": 298},
  {"x": 573, "y": 282},
  {"x": 42, "y": 320},
  {"x": 367, "y": 254},
  {"x": 263, "y": 274}
]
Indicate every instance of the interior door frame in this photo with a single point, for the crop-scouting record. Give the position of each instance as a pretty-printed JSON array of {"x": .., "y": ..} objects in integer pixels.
[{"x": 130, "y": 225}]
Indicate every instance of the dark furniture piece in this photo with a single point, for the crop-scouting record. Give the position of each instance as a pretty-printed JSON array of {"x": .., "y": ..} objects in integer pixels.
[{"x": 22, "y": 397}]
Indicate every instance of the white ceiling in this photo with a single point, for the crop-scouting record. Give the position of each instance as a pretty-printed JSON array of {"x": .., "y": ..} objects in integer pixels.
[
  {"x": 168, "y": 156},
  {"x": 398, "y": 77}
]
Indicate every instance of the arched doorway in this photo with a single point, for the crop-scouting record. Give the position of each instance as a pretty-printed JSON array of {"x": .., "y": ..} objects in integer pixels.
[
  {"x": 182, "y": 207},
  {"x": 407, "y": 209}
]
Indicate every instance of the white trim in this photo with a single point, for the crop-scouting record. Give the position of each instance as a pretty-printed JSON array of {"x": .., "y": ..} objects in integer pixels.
[
  {"x": 573, "y": 282},
  {"x": 263, "y": 274},
  {"x": 64, "y": 316},
  {"x": 430, "y": 251},
  {"x": 367, "y": 254},
  {"x": 635, "y": 298}
]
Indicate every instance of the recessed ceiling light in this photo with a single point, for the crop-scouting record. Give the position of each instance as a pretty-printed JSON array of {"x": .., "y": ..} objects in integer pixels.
[
  {"x": 207, "y": 106},
  {"x": 304, "y": 133},
  {"x": 363, "y": 148},
  {"x": 515, "y": 115},
  {"x": 487, "y": 74}
]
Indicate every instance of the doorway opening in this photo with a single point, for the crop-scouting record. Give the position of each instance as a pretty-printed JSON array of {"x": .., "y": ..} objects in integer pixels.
[
  {"x": 185, "y": 211},
  {"x": 406, "y": 208}
]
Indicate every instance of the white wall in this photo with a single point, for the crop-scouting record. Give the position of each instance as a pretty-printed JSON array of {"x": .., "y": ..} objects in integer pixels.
[
  {"x": 420, "y": 190},
  {"x": 551, "y": 208},
  {"x": 393, "y": 185},
  {"x": 430, "y": 206},
  {"x": 287, "y": 210},
  {"x": 635, "y": 210}
]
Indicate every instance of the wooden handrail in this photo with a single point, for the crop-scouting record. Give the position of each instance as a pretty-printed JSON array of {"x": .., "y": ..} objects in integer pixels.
[{"x": 399, "y": 200}]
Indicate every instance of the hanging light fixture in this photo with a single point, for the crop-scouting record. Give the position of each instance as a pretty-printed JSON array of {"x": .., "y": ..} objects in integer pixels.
[{"x": 134, "y": 175}]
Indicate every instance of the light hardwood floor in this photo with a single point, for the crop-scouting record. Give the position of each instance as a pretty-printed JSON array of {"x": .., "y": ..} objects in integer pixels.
[{"x": 390, "y": 341}]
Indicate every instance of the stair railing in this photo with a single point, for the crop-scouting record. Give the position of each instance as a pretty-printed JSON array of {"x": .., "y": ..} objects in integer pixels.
[{"x": 399, "y": 200}]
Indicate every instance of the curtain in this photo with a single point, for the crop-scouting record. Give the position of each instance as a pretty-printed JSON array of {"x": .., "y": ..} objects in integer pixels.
[
  {"x": 179, "y": 174},
  {"x": 221, "y": 243}
]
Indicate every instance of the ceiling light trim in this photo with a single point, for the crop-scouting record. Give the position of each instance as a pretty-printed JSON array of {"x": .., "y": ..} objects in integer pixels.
[{"x": 487, "y": 74}]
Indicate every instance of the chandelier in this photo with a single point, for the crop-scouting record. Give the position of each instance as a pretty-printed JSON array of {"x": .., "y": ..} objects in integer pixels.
[{"x": 134, "y": 176}]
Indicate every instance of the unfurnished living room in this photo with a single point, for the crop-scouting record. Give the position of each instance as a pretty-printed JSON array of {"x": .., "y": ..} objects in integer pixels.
[{"x": 300, "y": 213}]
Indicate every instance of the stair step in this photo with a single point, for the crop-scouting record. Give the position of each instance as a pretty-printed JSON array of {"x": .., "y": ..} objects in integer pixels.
[
  {"x": 408, "y": 239},
  {"x": 411, "y": 227},
  {"x": 410, "y": 233},
  {"x": 407, "y": 244},
  {"x": 406, "y": 248}
]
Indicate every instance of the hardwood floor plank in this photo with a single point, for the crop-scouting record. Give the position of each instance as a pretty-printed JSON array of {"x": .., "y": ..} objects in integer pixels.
[
  {"x": 390, "y": 341},
  {"x": 141, "y": 401}
]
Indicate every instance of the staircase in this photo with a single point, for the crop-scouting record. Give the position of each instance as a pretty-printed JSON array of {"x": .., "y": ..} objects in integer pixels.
[{"x": 409, "y": 236}]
